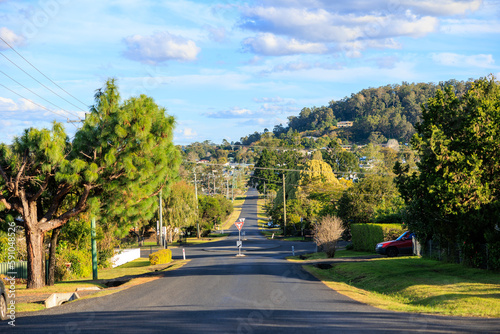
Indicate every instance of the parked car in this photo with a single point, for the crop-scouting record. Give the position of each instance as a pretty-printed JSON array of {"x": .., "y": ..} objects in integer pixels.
[
  {"x": 3, "y": 300},
  {"x": 402, "y": 245}
]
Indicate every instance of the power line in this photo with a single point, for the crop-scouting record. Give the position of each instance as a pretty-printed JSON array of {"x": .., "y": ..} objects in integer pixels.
[
  {"x": 32, "y": 77},
  {"x": 39, "y": 105},
  {"x": 301, "y": 170},
  {"x": 10, "y": 46},
  {"x": 20, "y": 84}
]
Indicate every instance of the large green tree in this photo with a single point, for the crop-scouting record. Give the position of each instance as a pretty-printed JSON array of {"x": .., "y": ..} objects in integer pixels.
[
  {"x": 366, "y": 200},
  {"x": 118, "y": 161},
  {"x": 181, "y": 208},
  {"x": 455, "y": 197}
]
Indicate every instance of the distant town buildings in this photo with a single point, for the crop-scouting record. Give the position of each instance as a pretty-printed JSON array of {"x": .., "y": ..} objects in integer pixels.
[{"x": 344, "y": 124}]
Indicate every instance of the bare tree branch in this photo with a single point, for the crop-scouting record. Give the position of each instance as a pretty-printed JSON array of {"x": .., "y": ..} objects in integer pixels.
[
  {"x": 4, "y": 201},
  {"x": 42, "y": 188},
  {"x": 47, "y": 225},
  {"x": 18, "y": 176}
]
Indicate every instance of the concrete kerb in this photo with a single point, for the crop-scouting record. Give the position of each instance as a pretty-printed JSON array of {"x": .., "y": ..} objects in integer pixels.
[{"x": 57, "y": 299}]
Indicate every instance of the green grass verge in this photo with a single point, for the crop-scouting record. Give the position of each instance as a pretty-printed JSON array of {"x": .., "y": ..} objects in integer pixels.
[
  {"x": 237, "y": 205},
  {"x": 322, "y": 255},
  {"x": 137, "y": 267},
  {"x": 412, "y": 284}
]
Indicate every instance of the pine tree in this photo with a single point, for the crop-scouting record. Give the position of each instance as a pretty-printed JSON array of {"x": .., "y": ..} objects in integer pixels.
[{"x": 117, "y": 163}]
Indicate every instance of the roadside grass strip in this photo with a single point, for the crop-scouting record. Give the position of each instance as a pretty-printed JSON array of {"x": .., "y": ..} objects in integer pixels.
[
  {"x": 412, "y": 284},
  {"x": 322, "y": 255},
  {"x": 237, "y": 205}
]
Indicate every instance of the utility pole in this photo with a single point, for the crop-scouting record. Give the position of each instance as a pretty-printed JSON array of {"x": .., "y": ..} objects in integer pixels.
[
  {"x": 197, "y": 209},
  {"x": 94, "y": 249},
  {"x": 213, "y": 174},
  {"x": 227, "y": 189},
  {"x": 284, "y": 206}
]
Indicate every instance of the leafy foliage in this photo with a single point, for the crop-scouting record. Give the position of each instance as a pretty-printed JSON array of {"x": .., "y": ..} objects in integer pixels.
[
  {"x": 372, "y": 197},
  {"x": 163, "y": 256},
  {"x": 366, "y": 236},
  {"x": 455, "y": 197},
  {"x": 116, "y": 164}
]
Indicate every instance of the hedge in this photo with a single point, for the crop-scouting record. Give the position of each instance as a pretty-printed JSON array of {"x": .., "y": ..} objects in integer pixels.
[
  {"x": 366, "y": 236},
  {"x": 162, "y": 256}
]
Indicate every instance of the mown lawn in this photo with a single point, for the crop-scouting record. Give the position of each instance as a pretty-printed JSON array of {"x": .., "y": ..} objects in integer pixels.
[{"x": 413, "y": 284}]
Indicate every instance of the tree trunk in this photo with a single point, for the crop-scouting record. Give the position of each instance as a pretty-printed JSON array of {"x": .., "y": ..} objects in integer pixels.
[
  {"x": 36, "y": 258},
  {"x": 52, "y": 255}
]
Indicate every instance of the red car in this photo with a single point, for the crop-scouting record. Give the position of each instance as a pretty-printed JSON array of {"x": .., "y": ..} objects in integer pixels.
[{"x": 402, "y": 245}]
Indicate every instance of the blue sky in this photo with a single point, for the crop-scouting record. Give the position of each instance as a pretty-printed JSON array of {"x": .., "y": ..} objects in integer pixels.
[{"x": 225, "y": 69}]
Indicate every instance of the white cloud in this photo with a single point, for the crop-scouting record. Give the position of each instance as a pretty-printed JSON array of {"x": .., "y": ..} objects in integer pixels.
[
  {"x": 276, "y": 99},
  {"x": 160, "y": 47},
  {"x": 321, "y": 26},
  {"x": 443, "y": 7},
  {"x": 189, "y": 133},
  {"x": 470, "y": 26},
  {"x": 236, "y": 112},
  {"x": 458, "y": 60},
  {"x": 271, "y": 45},
  {"x": 23, "y": 105},
  {"x": 421, "y": 7},
  {"x": 10, "y": 37},
  {"x": 217, "y": 34}
]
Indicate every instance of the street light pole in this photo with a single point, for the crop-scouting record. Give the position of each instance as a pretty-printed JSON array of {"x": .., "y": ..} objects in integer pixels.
[
  {"x": 196, "y": 195},
  {"x": 162, "y": 237}
]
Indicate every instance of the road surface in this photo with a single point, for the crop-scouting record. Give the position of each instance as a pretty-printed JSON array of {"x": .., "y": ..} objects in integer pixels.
[{"x": 218, "y": 292}]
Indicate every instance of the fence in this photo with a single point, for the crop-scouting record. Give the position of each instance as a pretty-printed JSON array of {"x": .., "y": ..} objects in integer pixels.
[
  {"x": 483, "y": 257},
  {"x": 19, "y": 269}
]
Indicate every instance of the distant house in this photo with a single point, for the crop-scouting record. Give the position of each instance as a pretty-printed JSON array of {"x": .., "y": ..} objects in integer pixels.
[{"x": 344, "y": 124}]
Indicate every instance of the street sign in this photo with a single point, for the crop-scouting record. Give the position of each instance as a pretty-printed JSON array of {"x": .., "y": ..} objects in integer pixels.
[
  {"x": 239, "y": 243},
  {"x": 239, "y": 225}
]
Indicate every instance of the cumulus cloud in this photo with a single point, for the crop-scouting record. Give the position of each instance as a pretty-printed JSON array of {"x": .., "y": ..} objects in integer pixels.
[
  {"x": 10, "y": 37},
  {"x": 458, "y": 60},
  {"x": 160, "y": 47},
  {"x": 235, "y": 112},
  {"x": 271, "y": 45},
  {"x": 320, "y": 26},
  {"x": 7, "y": 104},
  {"x": 189, "y": 133}
]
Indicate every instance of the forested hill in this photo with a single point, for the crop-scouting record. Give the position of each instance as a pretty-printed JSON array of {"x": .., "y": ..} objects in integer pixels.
[{"x": 387, "y": 112}]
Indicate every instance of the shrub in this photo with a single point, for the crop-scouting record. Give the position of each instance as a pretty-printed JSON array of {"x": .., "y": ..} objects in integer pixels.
[
  {"x": 162, "y": 256},
  {"x": 327, "y": 232},
  {"x": 366, "y": 236},
  {"x": 81, "y": 264},
  {"x": 494, "y": 256}
]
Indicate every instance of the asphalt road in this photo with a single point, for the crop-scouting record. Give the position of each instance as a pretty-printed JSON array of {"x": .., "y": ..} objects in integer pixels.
[{"x": 218, "y": 292}]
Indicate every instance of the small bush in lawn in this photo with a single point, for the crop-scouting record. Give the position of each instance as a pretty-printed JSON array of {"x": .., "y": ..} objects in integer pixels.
[
  {"x": 81, "y": 263},
  {"x": 163, "y": 256},
  {"x": 327, "y": 232}
]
